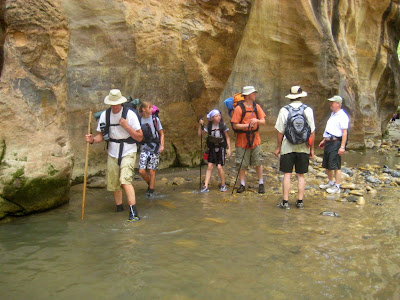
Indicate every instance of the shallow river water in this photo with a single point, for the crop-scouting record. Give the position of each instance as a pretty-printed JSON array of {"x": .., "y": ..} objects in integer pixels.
[{"x": 205, "y": 246}]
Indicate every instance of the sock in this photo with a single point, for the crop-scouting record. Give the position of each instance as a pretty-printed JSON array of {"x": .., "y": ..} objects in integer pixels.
[
  {"x": 151, "y": 190},
  {"x": 261, "y": 181},
  {"x": 242, "y": 183},
  {"x": 331, "y": 182},
  {"x": 299, "y": 201},
  {"x": 285, "y": 201}
]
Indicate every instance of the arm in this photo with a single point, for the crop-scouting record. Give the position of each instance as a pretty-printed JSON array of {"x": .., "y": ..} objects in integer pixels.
[
  {"x": 135, "y": 134},
  {"x": 200, "y": 131},
  {"x": 161, "y": 135},
  {"x": 342, "y": 148},
  {"x": 312, "y": 144},
  {"x": 278, "y": 144},
  {"x": 94, "y": 140},
  {"x": 228, "y": 142}
]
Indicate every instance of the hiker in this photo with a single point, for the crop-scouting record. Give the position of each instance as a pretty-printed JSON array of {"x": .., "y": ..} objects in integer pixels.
[
  {"x": 248, "y": 139},
  {"x": 294, "y": 147},
  {"x": 121, "y": 149},
  {"x": 334, "y": 144},
  {"x": 151, "y": 148},
  {"x": 218, "y": 142}
]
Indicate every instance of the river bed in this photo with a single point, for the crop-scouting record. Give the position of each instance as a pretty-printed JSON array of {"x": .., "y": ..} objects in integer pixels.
[{"x": 216, "y": 245}]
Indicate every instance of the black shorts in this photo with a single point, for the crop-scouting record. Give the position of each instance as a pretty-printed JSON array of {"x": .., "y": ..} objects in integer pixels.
[
  {"x": 331, "y": 159},
  {"x": 217, "y": 157},
  {"x": 295, "y": 159}
]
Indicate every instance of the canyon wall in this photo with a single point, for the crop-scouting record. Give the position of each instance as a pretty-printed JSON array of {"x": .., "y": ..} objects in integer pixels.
[{"x": 60, "y": 58}]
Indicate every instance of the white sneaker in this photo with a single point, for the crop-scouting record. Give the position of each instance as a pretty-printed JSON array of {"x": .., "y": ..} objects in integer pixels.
[
  {"x": 333, "y": 190},
  {"x": 326, "y": 186}
]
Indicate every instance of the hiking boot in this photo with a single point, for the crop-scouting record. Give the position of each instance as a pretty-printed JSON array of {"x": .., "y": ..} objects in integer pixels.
[
  {"x": 325, "y": 186},
  {"x": 261, "y": 189},
  {"x": 223, "y": 188},
  {"x": 241, "y": 189},
  {"x": 120, "y": 207},
  {"x": 204, "y": 189},
  {"x": 299, "y": 204},
  {"x": 133, "y": 215},
  {"x": 333, "y": 190},
  {"x": 284, "y": 205},
  {"x": 150, "y": 195}
]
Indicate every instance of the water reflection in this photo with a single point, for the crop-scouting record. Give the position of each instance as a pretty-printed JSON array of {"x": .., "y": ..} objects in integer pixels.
[{"x": 194, "y": 246}]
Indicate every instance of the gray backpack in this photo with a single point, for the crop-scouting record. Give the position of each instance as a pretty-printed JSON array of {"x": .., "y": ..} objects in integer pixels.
[{"x": 297, "y": 130}]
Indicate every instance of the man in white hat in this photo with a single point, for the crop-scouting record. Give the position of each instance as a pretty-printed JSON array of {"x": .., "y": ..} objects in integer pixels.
[
  {"x": 334, "y": 144},
  {"x": 246, "y": 119},
  {"x": 121, "y": 149},
  {"x": 295, "y": 148}
]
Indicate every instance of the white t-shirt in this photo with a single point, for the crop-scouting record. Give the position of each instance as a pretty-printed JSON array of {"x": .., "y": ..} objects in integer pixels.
[
  {"x": 118, "y": 132},
  {"x": 336, "y": 123},
  {"x": 280, "y": 125}
]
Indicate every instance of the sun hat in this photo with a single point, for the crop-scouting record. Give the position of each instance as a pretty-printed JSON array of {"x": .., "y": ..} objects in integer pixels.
[
  {"x": 247, "y": 90},
  {"x": 296, "y": 92},
  {"x": 212, "y": 113},
  {"x": 337, "y": 99},
  {"x": 114, "y": 98}
]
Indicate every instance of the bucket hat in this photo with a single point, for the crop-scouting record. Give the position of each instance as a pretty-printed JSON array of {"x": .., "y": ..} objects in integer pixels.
[
  {"x": 114, "y": 98},
  {"x": 337, "y": 99},
  {"x": 296, "y": 92},
  {"x": 247, "y": 90}
]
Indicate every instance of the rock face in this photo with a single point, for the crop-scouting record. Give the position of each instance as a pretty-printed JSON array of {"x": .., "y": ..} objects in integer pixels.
[
  {"x": 62, "y": 57},
  {"x": 35, "y": 156}
]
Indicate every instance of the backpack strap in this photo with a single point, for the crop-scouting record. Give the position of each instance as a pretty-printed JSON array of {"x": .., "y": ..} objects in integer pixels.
[{"x": 244, "y": 112}]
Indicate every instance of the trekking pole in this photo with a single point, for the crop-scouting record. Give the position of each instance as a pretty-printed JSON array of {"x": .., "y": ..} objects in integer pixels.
[
  {"x": 240, "y": 166},
  {"x": 201, "y": 151},
  {"x": 86, "y": 168}
]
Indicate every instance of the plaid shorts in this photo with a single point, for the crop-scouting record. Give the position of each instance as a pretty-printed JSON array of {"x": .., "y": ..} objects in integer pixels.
[{"x": 149, "y": 160}]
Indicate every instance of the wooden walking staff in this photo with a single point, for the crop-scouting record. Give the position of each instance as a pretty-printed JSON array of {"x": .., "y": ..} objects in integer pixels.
[{"x": 86, "y": 168}]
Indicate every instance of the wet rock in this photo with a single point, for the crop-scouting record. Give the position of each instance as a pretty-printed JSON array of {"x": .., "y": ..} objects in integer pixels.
[
  {"x": 96, "y": 182},
  {"x": 357, "y": 192},
  {"x": 322, "y": 175},
  {"x": 350, "y": 186},
  {"x": 347, "y": 171},
  {"x": 352, "y": 199},
  {"x": 372, "y": 179},
  {"x": 329, "y": 214},
  {"x": 361, "y": 201}
]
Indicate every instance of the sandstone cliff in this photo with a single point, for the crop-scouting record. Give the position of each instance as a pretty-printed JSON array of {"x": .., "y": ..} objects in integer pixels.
[{"x": 60, "y": 58}]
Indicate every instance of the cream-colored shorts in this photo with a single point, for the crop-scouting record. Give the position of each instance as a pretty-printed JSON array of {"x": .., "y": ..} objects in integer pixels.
[
  {"x": 117, "y": 175},
  {"x": 252, "y": 157}
]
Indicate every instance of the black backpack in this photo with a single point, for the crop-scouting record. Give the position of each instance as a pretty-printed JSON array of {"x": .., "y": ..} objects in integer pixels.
[
  {"x": 216, "y": 142},
  {"x": 297, "y": 130}
]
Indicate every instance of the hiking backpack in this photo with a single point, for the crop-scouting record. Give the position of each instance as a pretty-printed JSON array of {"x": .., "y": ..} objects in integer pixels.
[
  {"x": 216, "y": 142},
  {"x": 297, "y": 130},
  {"x": 237, "y": 100}
]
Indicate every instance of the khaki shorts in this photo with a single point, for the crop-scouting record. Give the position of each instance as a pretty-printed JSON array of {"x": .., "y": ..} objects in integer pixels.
[
  {"x": 117, "y": 175},
  {"x": 252, "y": 156}
]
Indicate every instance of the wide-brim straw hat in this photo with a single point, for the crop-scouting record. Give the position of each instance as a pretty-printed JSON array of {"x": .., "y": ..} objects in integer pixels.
[
  {"x": 114, "y": 98},
  {"x": 296, "y": 92}
]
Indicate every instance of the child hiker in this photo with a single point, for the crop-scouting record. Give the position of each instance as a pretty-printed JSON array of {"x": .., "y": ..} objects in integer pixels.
[
  {"x": 151, "y": 146},
  {"x": 218, "y": 142}
]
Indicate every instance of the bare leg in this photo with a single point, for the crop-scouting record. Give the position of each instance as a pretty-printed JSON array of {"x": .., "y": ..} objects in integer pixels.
[
  {"x": 208, "y": 174},
  {"x": 286, "y": 186},
  {"x": 242, "y": 175},
  {"x": 330, "y": 174},
  {"x": 144, "y": 175},
  {"x": 338, "y": 176},
  {"x": 221, "y": 174},
  {"x": 259, "y": 170},
  {"x": 130, "y": 193},
  {"x": 118, "y": 197},
  {"x": 301, "y": 184},
  {"x": 152, "y": 178}
]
